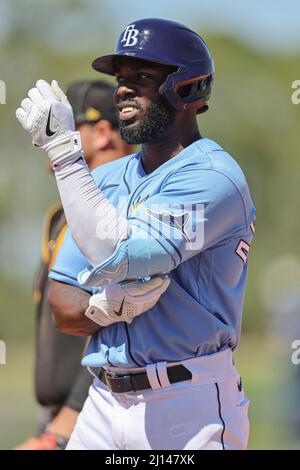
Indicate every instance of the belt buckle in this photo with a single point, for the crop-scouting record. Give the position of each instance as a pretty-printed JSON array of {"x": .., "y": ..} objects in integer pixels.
[
  {"x": 119, "y": 383},
  {"x": 109, "y": 373}
]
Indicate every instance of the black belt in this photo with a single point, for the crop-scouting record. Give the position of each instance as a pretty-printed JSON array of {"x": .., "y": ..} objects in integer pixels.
[{"x": 122, "y": 383}]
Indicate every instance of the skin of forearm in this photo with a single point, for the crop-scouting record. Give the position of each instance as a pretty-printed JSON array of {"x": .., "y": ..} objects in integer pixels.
[
  {"x": 64, "y": 422},
  {"x": 68, "y": 305}
]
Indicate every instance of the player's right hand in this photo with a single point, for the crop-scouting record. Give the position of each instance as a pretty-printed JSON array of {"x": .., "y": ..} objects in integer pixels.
[{"x": 47, "y": 116}]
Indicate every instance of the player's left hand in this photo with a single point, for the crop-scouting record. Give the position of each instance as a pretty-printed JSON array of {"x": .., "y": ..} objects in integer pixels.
[
  {"x": 124, "y": 302},
  {"x": 47, "y": 116},
  {"x": 46, "y": 441}
]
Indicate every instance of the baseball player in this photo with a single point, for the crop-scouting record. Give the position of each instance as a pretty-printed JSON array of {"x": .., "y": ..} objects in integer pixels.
[
  {"x": 61, "y": 383},
  {"x": 164, "y": 236}
]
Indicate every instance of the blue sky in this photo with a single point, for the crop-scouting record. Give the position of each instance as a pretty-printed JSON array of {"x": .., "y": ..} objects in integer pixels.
[{"x": 265, "y": 24}]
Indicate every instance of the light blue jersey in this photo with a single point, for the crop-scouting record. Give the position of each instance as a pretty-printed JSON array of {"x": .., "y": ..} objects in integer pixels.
[{"x": 192, "y": 217}]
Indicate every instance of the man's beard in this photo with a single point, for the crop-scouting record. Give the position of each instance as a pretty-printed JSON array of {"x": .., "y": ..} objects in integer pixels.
[{"x": 152, "y": 124}]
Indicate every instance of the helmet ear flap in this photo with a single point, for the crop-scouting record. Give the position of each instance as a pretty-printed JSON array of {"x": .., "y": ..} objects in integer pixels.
[
  {"x": 195, "y": 88},
  {"x": 189, "y": 94}
]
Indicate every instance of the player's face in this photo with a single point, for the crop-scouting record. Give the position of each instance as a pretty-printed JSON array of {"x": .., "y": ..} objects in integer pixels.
[{"x": 143, "y": 113}]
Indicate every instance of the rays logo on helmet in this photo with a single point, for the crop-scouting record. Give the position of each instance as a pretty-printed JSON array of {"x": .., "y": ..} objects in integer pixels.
[{"x": 130, "y": 36}]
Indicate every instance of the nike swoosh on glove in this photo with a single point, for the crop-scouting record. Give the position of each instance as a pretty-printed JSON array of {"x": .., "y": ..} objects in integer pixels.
[
  {"x": 47, "y": 116},
  {"x": 124, "y": 302}
]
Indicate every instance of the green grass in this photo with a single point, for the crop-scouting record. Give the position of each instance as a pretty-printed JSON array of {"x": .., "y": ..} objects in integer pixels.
[
  {"x": 17, "y": 405},
  {"x": 269, "y": 381}
]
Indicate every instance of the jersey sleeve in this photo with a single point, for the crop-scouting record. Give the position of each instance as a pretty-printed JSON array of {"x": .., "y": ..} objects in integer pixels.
[
  {"x": 69, "y": 263},
  {"x": 195, "y": 210}
]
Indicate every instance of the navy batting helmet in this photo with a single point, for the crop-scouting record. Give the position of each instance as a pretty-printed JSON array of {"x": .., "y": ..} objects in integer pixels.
[{"x": 170, "y": 43}]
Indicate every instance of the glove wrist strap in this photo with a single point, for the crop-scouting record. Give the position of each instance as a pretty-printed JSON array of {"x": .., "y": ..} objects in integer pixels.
[{"x": 64, "y": 149}]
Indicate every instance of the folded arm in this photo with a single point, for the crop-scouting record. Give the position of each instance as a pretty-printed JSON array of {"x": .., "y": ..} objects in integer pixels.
[{"x": 68, "y": 304}]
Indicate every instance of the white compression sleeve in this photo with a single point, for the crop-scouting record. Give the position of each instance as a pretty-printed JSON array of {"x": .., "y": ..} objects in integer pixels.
[{"x": 95, "y": 224}]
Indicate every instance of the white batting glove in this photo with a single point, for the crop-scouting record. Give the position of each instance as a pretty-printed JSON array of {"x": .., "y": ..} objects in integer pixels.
[
  {"x": 125, "y": 302},
  {"x": 47, "y": 116}
]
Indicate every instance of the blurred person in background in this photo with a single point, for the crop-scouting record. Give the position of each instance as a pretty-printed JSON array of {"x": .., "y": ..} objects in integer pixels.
[{"x": 61, "y": 383}]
